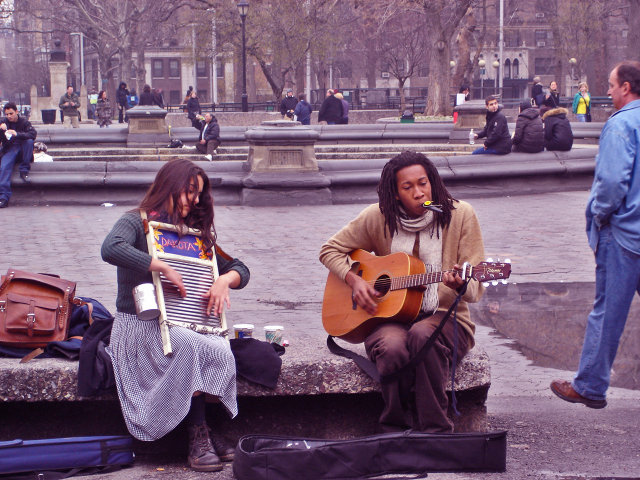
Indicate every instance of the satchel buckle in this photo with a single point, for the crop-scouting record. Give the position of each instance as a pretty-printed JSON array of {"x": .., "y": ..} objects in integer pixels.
[
  {"x": 31, "y": 319},
  {"x": 2, "y": 304}
]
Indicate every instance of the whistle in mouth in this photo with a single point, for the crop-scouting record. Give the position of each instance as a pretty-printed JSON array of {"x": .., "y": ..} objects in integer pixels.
[{"x": 429, "y": 205}]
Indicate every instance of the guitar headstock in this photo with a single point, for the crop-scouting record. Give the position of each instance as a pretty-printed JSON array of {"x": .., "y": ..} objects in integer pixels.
[{"x": 492, "y": 272}]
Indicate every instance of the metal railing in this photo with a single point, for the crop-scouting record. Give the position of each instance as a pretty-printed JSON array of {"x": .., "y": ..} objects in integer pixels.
[{"x": 414, "y": 103}]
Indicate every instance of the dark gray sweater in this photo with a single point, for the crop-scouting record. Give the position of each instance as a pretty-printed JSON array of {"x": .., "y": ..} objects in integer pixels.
[{"x": 126, "y": 247}]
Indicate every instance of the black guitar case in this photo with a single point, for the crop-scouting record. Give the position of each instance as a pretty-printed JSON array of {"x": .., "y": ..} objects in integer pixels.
[{"x": 260, "y": 457}]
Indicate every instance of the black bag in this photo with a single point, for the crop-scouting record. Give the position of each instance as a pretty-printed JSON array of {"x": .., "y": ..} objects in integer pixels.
[
  {"x": 260, "y": 457},
  {"x": 175, "y": 143}
]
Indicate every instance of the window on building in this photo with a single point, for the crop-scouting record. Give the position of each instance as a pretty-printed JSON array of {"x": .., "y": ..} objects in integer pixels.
[
  {"x": 174, "y": 68},
  {"x": 157, "y": 68},
  {"x": 203, "y": 96},
  {"x": 219, "y": 69},
  {"x": 515, "y": 68},
  {"x": 507, "y": 68},
  {"x": 512, "y": 38},
  {"x": 541, "y": 38},
  {"x": 201, "y": 68},
  {"x": 174, "y": 97},
  {"x": 543, "y": 66}
]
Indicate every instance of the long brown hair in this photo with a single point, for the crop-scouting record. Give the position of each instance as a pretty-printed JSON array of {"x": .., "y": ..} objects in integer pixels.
[
  {"x": 174, "y": 178},
  {"x": 388, "y": 190}
]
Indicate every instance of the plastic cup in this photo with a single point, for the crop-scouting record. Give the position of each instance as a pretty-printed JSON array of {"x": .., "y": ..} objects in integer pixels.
[
  {"x": 273, "y": 333},
  {"x": 243, "y": 330}
]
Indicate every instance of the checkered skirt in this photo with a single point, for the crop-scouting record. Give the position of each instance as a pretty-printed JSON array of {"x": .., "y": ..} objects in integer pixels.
[{"x": 155, "y": 390}]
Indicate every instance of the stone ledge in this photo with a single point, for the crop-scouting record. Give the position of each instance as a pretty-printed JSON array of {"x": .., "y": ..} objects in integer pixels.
[{"x": 55, "y": 380}]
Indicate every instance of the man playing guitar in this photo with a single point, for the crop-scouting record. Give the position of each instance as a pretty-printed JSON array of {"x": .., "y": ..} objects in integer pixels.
[{"x": 418, "y": 216}]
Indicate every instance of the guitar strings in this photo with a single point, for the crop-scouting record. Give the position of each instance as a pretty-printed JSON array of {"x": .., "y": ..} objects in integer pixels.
[{"x": 432, "y": 276}]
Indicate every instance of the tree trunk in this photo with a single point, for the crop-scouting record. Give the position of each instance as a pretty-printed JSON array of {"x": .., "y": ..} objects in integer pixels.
[
  {"x": 371, "y": 64},
  {"x": 633, "y": 39},
  {"x": 298, "y": 88},
  {"x": 403, "y": 98},
  {"x": 439, "y": 82}
]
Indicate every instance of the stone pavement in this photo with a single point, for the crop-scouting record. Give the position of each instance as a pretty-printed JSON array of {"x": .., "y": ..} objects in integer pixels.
[{"x": 543, "y": 235}]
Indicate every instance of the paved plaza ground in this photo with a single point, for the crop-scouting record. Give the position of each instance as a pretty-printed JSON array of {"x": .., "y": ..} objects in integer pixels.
[{"x": 543, "y": 235}]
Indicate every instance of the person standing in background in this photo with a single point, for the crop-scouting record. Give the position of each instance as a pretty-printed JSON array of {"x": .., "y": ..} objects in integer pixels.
[
  {"x": 70, "y": 105},
  {"x": 345, "y": 109},
  {"x": 103, "y": 110},
  {"x": 582, "y": 103},
  {"x": 122, "y": 99},
  {"x": 93, "y": 102},
  {"x": 288, "y": 105},
  {"x": 303, "y": 110}
]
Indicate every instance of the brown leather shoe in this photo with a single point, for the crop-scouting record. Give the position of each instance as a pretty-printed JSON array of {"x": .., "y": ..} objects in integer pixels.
[
  {"x": 565, "y": 391},
  {"x": 202, "y": 458},
  {"x": 222, "y": 448}
]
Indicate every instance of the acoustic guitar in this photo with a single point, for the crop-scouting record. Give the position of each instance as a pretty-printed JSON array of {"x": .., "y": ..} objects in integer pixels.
[{"x": 395, "y": 276}]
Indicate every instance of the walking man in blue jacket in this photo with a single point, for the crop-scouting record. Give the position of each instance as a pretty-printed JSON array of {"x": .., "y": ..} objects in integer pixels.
[{"x": 613, "y": 229}]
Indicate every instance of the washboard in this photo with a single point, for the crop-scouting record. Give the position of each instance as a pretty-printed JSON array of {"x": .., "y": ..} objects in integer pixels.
[{"x": 184, "y": 253}]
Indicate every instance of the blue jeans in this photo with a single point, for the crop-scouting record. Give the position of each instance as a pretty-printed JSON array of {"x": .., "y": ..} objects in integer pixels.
[
  {"x": 617, "y": 280},
  {"x": 582, "y": 117},
  {"x": 482, "y": 151},
  {"x": 22, "y": 150}
]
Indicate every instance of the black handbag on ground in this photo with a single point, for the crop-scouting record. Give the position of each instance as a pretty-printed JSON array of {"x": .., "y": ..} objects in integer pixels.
[{"x": 259, "y": 457}]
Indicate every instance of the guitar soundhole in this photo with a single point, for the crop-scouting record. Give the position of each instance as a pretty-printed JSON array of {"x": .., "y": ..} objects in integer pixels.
[{"x": 383, "y": 284}]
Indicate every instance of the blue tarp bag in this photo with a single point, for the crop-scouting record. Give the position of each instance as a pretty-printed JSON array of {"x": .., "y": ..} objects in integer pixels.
[{"x": 63, "y": 457}]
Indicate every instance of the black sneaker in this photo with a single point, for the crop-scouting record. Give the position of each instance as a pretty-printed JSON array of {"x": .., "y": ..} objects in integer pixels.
[
  {"x": 4, "y": 203},
  {"x": 25, "y": 177}
]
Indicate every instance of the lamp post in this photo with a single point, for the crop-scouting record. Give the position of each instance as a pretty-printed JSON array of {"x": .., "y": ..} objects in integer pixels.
[
  {"x": 573, "y": 62},
  {"x": 81, "y": 37},
  {"x": 481, "y": 64},
  {"x": 496, "y": 65},
  {"x": 243, "y": 7}
]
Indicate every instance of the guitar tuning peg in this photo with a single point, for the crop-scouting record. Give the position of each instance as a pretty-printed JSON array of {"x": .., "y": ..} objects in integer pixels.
[
  {"x": 503, "y": 281},
  {"x": 507, "y": 260},
  {"x": 485, "y": 284},
  {"x": 494, "y": 282},
  {"x": 489, "y": 259}
]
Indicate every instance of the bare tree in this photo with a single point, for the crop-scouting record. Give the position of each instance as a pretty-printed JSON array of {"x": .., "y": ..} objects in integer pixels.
[
  {"x": 580, "y": 30},
  {"x": 402, "y": 48},
  {"x": 280, "y": 38},
  {"x": 114, "y": 28},
  {"x": 632, "y": 15}
]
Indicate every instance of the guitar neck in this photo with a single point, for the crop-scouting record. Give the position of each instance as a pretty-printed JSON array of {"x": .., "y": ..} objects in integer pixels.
[{"x": 419, "y": 279}]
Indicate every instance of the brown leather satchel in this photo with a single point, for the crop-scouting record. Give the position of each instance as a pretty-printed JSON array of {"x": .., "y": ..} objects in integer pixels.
[{"x": 34, "y": 309}]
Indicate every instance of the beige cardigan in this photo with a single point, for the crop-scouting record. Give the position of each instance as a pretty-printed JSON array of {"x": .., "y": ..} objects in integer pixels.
[{"x": 461, "y": 242}]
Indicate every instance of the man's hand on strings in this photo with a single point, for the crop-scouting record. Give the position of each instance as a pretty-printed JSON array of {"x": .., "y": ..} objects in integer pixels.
[{"x": 363, "y": 293}]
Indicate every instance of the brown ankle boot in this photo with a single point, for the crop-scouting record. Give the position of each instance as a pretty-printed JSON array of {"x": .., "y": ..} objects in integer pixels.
[
  {"x": 222, "y": 448},
  {"x": 202, "y": 457}
]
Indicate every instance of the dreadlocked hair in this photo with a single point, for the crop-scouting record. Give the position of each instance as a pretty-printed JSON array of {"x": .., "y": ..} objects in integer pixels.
[{"x": 388, "y": 190}]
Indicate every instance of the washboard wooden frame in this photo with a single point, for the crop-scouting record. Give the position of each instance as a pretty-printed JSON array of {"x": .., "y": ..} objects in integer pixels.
[{"x": 184, "y": 253}]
